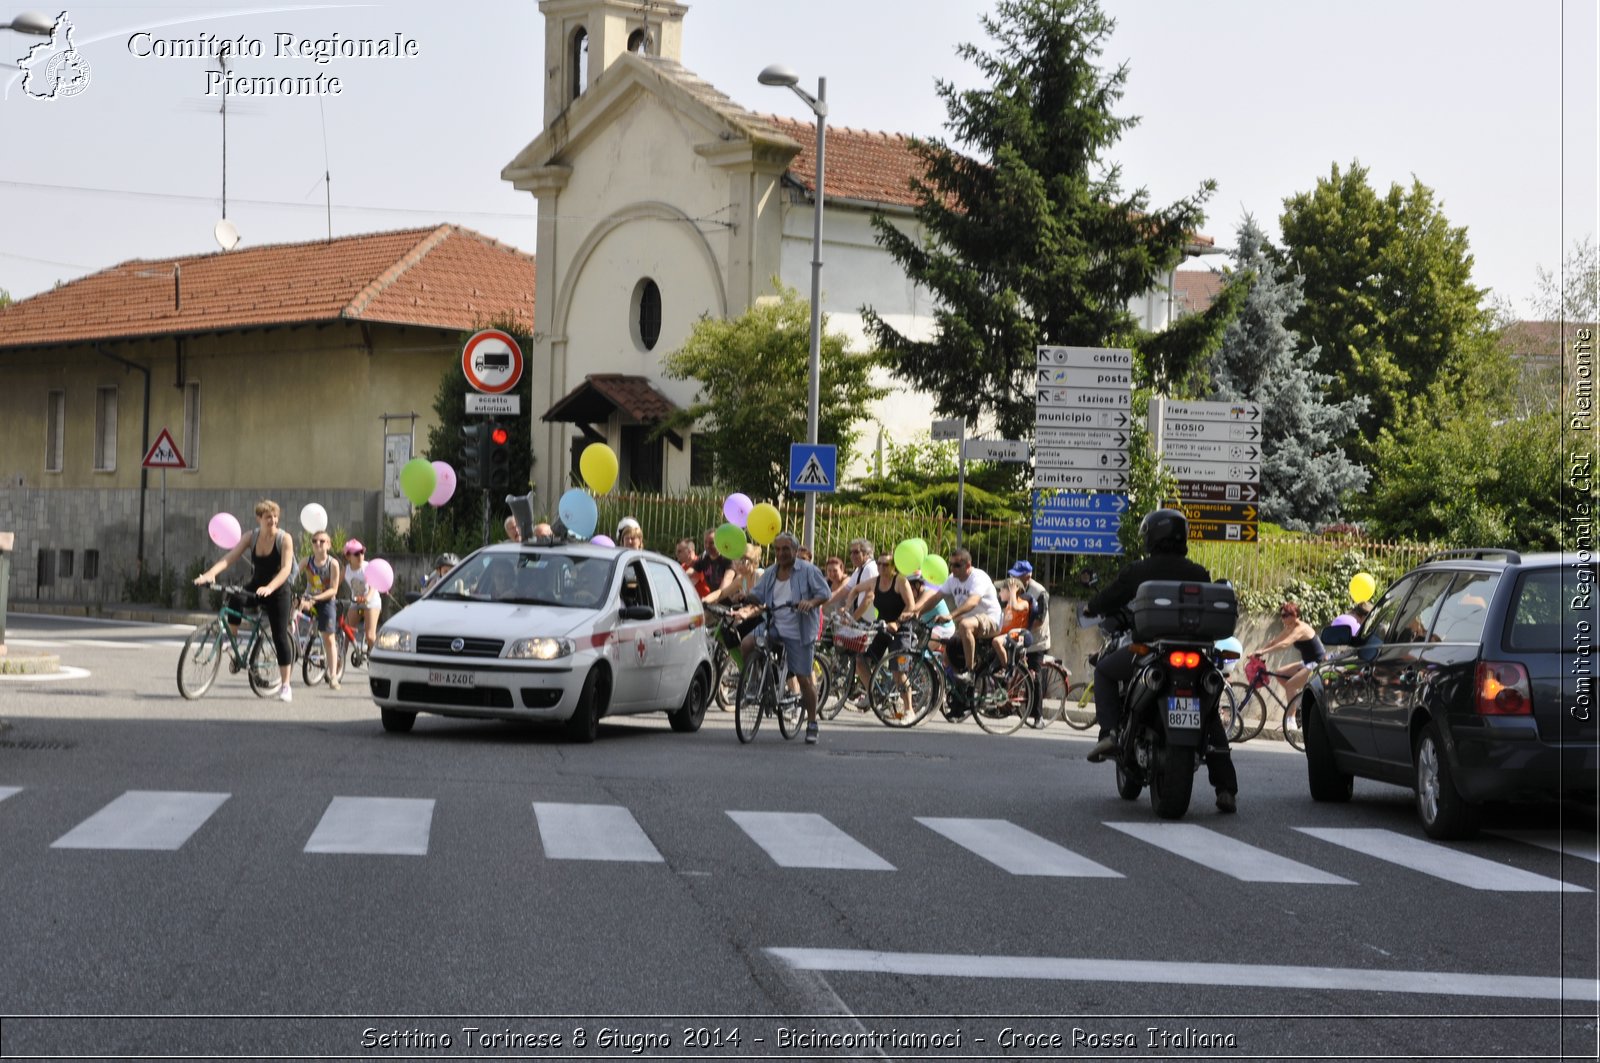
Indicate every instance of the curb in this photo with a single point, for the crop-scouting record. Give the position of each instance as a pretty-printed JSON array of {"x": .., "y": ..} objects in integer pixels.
[
  {"x": 135, "y": 613},
  {"x": 30, "y": 664}
]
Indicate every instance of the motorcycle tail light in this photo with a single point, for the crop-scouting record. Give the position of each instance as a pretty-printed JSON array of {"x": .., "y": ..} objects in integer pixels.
[
  {"x": 1503, "y": 690},
  {"x": 1183, "y": 659}
]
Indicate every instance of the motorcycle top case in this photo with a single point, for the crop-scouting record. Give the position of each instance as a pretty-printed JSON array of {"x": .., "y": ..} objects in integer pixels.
[{"x": 1183, "y": 609}]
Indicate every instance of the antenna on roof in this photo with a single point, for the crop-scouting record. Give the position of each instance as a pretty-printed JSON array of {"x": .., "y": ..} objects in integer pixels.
[
  {"x": 327, "y": 175},
  {"x": 226, "y": 233}
]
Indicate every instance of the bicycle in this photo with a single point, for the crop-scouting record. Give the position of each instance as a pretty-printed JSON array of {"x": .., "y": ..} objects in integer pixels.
[
  {"x": 350, "y": 646},
  {"x": 763, "y": 684},
  {"x": 723, "y": 667},
  {"x": 1250, "y": 708},
  {"x": 838, "y": 647},
  {"x": 215, "y": 639},
  {"x": 1052, "y": 683},
  {"x": 998, "y": 698},
  {"x": 908, "y": 669}
]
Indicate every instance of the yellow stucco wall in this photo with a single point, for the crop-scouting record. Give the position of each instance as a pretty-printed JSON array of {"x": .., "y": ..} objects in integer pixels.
[{"x": 294, "y": 406}]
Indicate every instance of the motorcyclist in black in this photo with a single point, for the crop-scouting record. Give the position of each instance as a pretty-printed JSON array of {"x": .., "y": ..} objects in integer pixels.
[{"x": 1166, "y": 539}]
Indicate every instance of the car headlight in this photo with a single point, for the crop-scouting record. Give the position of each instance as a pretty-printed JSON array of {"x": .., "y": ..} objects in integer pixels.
[
  {"x": 394, "y": 639},
  {"x": 540, "y": 649}
]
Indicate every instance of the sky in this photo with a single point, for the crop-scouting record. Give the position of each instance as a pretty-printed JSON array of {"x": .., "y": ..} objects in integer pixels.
[{"x": 1491, "y": 105}]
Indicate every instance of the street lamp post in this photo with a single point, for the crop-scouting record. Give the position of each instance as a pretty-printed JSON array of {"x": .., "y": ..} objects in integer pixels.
[{"x": 780, "y": 75}]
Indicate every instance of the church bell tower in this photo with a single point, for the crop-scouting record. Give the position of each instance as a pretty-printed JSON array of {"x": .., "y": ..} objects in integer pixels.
[{"x": 583, "y": 37}]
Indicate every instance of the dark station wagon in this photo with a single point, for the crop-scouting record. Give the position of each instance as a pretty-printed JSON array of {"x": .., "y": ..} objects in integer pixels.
[{"x": 1471, "y": 681}]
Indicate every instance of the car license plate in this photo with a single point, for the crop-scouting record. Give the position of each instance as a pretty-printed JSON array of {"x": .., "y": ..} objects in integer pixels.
[
  {"x": 450, "y": 679},
  {"x": 1183, "y": 712}
]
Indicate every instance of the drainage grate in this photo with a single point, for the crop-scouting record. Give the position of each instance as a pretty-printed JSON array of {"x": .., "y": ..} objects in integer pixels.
[{"x": 37, "y": 744}]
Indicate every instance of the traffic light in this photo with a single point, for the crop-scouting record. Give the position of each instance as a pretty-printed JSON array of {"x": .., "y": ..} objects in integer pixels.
[
  {"x": 469, "y": 460},
  {"x": 497, "y": 457}
]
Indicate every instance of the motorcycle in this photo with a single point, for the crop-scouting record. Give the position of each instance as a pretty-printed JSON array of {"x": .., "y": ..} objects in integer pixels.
[{"x": 1177, "y": 686}]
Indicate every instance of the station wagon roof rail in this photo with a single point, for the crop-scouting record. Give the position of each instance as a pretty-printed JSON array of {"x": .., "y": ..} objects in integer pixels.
[{"x": 1510, "y": 557}]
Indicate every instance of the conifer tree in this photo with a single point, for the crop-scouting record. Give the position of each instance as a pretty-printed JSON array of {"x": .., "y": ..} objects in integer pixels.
[{"x": 1304, "y": 472}]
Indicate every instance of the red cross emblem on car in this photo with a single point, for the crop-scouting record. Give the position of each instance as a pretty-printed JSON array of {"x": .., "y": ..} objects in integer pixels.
[{"x": 641, "y": 647}]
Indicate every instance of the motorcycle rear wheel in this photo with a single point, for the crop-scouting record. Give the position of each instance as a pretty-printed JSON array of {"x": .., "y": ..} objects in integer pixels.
[
  {"x": 1128, "y": 786},
  {"x": 1171, "y": 781}
]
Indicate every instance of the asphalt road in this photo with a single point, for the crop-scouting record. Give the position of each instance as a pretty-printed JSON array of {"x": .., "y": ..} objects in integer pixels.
[{"x": 932, "y": 893}]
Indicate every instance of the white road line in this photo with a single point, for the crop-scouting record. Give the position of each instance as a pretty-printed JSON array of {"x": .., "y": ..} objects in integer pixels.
[
  {"x": 65, "y": 672},
  {"x": 143, "y": 819},
  {"x": 1230, "y": 856},
  {"x": 1584, "y": 846},
  {"x": 166, "y": 644},
  {"x": 593, "y": 832},
  {"x": 1016, "y": 850},
  {"x": 379, "y": 826},
  {"x": 805, "y": 839},
  {"x": 7, "y": 791},
  {"x": 1433, "y": 859},
  {"x": 1095, "y": 969},
  {"x": 109, "y": 644}
]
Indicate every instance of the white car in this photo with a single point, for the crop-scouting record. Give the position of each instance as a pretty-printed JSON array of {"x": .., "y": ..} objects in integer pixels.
[{"x": 566, "y": 633}]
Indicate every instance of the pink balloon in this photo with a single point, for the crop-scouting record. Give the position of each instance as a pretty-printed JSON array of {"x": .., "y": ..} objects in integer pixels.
[
  {"x": 444, "y": 484},
  {"x": 380, "y": 575},
  {"x": 224, "y": 530},
  {"x": 737, "y": 508},
  {"x": 603, "y": 540}
]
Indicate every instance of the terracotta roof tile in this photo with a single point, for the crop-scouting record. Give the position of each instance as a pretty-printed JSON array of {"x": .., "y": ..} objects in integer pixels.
[
  {"x": 445, "y": 276},
  {"x": 1194, "y": 290},
  {"x": 600, "y": 393},
  {"x": 862, "y": 165}
]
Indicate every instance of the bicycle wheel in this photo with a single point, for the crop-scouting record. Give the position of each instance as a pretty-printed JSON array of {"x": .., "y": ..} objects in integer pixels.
[
  {"x": 312, "y": 667},
  {"x": 1228, "y": 710},
  {"x": 1001, "y": 704},
  {"x": 727, "y": 673},
  {"x": 901, "y": 674},
  {"x": 829, "y": 704},
  {"x": 824, "y": 683},
  {"x": 1291, "y": 725},
  {"x": 1252, "y": 709},
  {"x": 1053, "y": 683},
  {"x": 1077, "y": 712},
  {"x": 262, "y": 667},
  {"x": 198, "y": 663},
  {"x": 747, "y": 704},
  {"x": 784, "y": 705}
]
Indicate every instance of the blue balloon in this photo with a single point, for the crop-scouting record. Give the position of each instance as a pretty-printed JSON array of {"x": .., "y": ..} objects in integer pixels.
[{"x": 578, "y": 512}]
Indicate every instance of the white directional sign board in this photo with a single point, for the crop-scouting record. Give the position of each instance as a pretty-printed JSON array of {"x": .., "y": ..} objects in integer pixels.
[
  {"x": 1014, "y": 450},
  {"x": 1082, "y": 414},
  {"x": 1214, "y": 451}
]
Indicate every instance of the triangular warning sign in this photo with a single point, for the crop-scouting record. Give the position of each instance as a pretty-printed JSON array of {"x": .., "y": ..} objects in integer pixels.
[
  {"x": 164, "y": 454},
  {"x": 813, "y": 475}
]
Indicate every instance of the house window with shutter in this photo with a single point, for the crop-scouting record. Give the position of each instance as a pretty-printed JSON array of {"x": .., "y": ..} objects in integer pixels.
[
  {"x": 191, "y": 425},
  {"x": 55, "y": 427},
  {"x": 105, "y": 429}
]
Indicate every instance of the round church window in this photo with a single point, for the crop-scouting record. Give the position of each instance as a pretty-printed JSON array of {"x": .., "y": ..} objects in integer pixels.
[{"x": 646, "y": 314}]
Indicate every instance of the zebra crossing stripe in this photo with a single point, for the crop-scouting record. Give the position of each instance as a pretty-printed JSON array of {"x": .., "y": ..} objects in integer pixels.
[
  {"x": 805, "y": 839},
  {"x": 143, "y": 819},
  {"x": 1584, "y": 848},
  {"x": 1228, "y": 855},
  {"x": 1474, "y": 872},
  {"x": 7, "y": 791},
  {"x": 1011, "y": 848},
  {"x": 593, "y": 832},
  {"x": 376, "y": 826}
]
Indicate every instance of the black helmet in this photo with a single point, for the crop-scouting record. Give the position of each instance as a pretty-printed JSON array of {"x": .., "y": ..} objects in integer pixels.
[
  {"x": 446, "y": 561},
  {"x": 1165, "y": 531}
]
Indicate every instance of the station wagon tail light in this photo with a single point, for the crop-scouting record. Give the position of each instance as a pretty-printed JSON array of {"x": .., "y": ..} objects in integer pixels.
[
  {"x": 1183, "y": 659},
  {"x": 391, "y": 638},
  {"x": 540, "y": 649},
  {"x": 1503, "y": 690}
]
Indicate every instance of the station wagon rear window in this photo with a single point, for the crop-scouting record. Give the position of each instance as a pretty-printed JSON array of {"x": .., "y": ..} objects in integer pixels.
[{"x": 1549, "y": 605}]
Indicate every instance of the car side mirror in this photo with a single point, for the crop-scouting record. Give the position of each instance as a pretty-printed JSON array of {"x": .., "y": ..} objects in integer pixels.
[
  {"x": 1337, "y": 635},
  {"x": 413, "y": 597},
  {"x": 638, "y": 612}
]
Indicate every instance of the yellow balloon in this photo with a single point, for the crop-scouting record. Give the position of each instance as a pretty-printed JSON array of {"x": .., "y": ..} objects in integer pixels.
[
  {"x": 764, "y": 523},
  {"x": 1362, "y": 586},
  {"x": 598, "y": 463}
]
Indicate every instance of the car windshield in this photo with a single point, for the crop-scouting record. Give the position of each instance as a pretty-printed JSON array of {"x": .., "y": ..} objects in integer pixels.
[{"x": 529, "y": 577}]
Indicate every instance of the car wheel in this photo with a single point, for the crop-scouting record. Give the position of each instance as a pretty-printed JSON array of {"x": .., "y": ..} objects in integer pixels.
[
  {"x": 1327, "y": 782},
  {"x": 397, "y": 722},
  {"x": 688, "y": 718},
  {"x": 1445, "y": 814},
  {"x": 585, "y": 722}
]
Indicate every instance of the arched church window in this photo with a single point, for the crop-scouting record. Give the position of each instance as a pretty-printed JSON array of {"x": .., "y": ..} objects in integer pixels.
[
  {"x": 639, "y": 42},
  {"x": 580, "y": 61},
  {"x": 646, "y": 323}
]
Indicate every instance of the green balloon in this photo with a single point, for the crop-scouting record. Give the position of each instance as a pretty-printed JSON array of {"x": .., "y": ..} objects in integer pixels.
[
  {"x": 418, "y": 478},
  {"x": 730, "y": 541},
  {"x": 935, "y": 569},
  {"x": 909, "y": 554}
]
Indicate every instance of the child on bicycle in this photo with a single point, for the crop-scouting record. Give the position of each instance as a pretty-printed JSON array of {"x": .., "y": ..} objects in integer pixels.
[
  {"x": 365, "y": 601},
  {"x": 322, "y": 588},
  {"x": 1303, "y": 637}
]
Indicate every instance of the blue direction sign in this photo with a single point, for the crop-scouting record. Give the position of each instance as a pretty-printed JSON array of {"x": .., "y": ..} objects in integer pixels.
[
  {"x": 1077, "y": 522},
  {"x": 1052, "y": 542},
  {"x": 1078, "y": 502},
  {"x": 813, "y": 467}
]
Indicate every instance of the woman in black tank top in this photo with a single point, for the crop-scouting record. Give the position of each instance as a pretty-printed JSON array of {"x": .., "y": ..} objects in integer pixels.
[
  {"x": 1303, "y": 637},
  {"x": 891, "y": 594},
  {"x": 271, "y": 568}
]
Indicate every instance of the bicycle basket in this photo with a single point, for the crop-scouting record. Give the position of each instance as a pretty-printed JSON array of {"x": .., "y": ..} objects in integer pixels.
[{"x": 852, "y": 640}]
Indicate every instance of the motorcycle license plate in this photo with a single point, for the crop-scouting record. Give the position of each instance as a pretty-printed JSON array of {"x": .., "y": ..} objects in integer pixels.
[
  {"x": 450, "y": 679},
  {"x": 1183, "y": 713}
]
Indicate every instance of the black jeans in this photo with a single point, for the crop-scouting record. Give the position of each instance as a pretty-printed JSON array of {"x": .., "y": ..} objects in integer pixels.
[
  {"x": 279, "y": 607},
  {"x": 1115, "y": 668}
]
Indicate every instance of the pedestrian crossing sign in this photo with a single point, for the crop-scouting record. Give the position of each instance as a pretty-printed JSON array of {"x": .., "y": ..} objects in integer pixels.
[
  {"x": 813, "y": 467},
  {"x": 164, "y": 454}
]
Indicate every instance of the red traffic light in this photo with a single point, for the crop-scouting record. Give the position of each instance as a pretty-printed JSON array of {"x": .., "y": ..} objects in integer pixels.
[{"x": 499, "y": 436}]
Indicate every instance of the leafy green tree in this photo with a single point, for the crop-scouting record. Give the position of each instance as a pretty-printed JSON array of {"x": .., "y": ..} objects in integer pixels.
[
  {"x": 1304, "y": 472},
  {"x": 1031, "y": 237},
  {"x": 753, "y": 372},
  {"x": 1388, "y": 291},
  {"x": 5, "y": 298}
]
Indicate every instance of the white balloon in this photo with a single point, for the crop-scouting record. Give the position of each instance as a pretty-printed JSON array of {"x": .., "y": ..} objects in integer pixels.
[{"x": 313, "y": 518}]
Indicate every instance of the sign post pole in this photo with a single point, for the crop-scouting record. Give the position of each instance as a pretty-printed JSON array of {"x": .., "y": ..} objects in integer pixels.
[{"x": 163, "y": 532}]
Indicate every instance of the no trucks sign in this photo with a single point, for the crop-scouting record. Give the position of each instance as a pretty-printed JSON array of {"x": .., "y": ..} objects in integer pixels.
[{"x": 492, "y": 362}]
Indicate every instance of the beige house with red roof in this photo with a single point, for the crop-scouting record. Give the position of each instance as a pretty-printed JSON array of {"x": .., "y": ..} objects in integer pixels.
[{"x": 271, "y": 367}]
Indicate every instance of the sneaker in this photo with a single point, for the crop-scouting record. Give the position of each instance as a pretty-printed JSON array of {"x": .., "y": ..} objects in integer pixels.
[
  {"x": 1102, "y": 748},
  {"x": 964, "y": 677},
  {"x": 285, "y": 693},
  {"x": 860, "y": 703},
  {"x": 1227, "y": 803},
  {"x": 811, "y": 733},
  {"x": 333, "y": 684}
]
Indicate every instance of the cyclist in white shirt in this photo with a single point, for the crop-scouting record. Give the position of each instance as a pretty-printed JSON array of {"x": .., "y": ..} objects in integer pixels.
[
  {"x": 974, "y": 606},
  {"x": 859, "y": 582}
]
